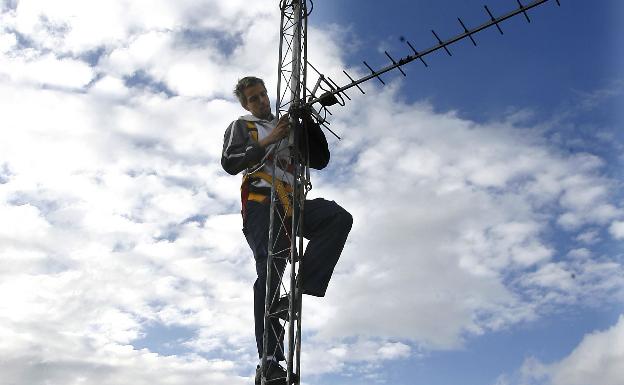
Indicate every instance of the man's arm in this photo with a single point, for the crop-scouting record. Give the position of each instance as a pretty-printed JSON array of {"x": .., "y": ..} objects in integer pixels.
[{"x": 239, "y": 150}]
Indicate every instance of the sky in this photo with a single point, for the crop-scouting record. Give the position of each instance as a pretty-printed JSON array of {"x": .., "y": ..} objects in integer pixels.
[{"x": 485, "y": 189}]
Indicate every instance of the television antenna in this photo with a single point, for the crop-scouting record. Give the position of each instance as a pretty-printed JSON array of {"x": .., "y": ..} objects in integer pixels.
[{"x": 295, "y": 98}]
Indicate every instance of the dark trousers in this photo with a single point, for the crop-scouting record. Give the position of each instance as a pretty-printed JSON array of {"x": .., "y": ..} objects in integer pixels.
[{"x": 326, "y": 226}]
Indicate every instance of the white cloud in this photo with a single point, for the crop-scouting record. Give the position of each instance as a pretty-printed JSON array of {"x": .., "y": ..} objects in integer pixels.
[
  {"x": 189, "y": 71},
  {"x": 115, "y": 215},
  {"x": 589, "y": 237},
  {"x": 432, "y": 243},
  {"x": 110, "y": 86},
  {"x": 7, "y": 42},
  {"x": 46, "y": 70},
  {"x": 617, "y": 229},
  {"x": 91, "y": 187},
  {"x": 359, "y": 356},
  {"x": 75, "y": 26},
  {"x": 581, "y": 253},
  {"x": 24, "y": 224},
  {"x": 596, "y": 360},
  {"x": 552, "y": 275}
]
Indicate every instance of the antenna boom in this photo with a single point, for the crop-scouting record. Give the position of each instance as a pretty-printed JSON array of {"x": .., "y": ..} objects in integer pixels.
[{"x": 441, "y": 45}]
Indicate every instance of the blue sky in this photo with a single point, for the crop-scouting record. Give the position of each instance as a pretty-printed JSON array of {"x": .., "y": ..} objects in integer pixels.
[
  {"x": 568, "y": 48},
  {"x": 548, "y": 67},
  {"x": 486, "y": 192}
]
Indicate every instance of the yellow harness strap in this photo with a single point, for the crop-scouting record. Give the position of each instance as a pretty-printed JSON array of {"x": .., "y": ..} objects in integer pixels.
[
  {"x": 253, "y": 131},
  {"x": 260, "y": 198},
  {"x": 282, "y": 189}
]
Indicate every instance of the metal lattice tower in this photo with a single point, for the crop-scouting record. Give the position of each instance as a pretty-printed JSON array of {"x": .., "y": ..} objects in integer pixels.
[
  {"x": 291, "y": 92},
  {"x": 296, "y": 99}
]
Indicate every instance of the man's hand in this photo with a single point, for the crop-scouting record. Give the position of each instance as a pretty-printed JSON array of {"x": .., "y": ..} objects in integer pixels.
[{"x": 280, "y": 131}]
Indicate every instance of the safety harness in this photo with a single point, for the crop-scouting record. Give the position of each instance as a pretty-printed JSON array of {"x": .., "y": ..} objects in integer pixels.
[{"x": 282, "y": 189}]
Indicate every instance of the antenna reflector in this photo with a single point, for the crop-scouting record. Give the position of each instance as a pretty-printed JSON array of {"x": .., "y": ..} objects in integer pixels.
[
  {"x": 467, "y": 32},
  {"x": 493, "y": 19},
  {"x": 330, "y": 130},
  {"x": 394, "y": 63},
  {"x": 526, "y": 15},
  {"x": 416, "y": 53},
  {"x": 373, "y": 73},
  {"x": 441, "y": 42},
  {"x": 353, "y": 81},
  {"x": 337, "y": 87}
]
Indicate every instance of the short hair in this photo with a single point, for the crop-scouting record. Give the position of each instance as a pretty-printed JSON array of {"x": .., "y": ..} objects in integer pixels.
[{"x": 243, "y": 83}]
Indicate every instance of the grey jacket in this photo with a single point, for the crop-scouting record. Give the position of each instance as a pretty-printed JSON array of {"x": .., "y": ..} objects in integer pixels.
[{"x": 241, "y": 152}]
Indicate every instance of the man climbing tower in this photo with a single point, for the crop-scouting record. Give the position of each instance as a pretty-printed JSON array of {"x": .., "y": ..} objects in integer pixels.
[{"x": 250, "y": 144}]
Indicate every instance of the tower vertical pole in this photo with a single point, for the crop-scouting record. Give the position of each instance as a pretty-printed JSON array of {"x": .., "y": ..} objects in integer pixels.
[
  {"x": 293, "y": 141},
  {"x": 290, "y": 97}
]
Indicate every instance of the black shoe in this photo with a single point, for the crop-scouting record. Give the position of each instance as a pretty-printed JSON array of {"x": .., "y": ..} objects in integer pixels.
[{"x": 275, "y": 374}]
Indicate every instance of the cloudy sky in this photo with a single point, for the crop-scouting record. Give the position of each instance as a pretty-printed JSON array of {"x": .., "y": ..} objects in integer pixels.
[{"x": 486, "y": 191}]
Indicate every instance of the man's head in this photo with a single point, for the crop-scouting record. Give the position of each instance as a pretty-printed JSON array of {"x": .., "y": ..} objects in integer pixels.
[{"x": 252, "y": 95}]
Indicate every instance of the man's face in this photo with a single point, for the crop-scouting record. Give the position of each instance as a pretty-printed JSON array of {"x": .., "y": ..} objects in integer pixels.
[{"x": 257, "y": 101}]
